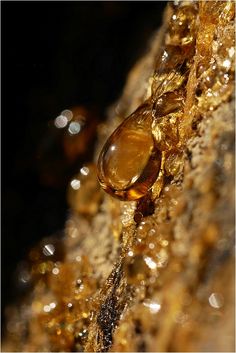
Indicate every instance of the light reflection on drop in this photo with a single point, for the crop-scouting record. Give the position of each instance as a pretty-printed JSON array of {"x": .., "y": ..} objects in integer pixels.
[
  {"x": 216, "y": 300},
  {"x": 150, "y": 263},
  {"x": 153, "y": 306}
]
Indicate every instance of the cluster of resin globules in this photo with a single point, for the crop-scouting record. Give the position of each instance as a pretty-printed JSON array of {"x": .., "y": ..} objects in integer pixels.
[{"x": 132, "y": 158}]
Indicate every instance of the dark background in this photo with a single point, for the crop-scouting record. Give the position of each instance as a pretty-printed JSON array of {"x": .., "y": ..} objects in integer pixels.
[{"x": 56, "y": 55}]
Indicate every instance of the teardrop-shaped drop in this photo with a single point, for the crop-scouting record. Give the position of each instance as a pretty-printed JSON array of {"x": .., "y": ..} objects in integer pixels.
[{"x": 129, "y": 162}]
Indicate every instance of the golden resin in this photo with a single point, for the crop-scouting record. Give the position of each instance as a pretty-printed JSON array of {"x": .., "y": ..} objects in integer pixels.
[
  {"x": 167, "y": 283},
  {"x": 130, "y": 161}
]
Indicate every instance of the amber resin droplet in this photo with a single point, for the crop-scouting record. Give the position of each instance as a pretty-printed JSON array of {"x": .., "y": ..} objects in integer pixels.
[{"x": 129, "y": 162}]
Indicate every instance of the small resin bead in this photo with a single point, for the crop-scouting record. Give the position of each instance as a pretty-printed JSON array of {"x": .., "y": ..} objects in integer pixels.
[{"x": 129, "y": 163}]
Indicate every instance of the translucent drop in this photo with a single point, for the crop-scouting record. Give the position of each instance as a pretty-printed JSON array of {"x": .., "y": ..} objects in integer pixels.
[{"x": 129, "y": 162}]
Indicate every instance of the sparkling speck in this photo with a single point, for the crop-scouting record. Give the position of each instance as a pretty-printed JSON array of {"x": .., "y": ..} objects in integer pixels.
[
  {"x": 231, "y": 52},
  {"x": 74, "y": 128},
  {"x": 226, "y": 63},
  {"x": 48, "y": 250},
  {"x": 150, "y": 263},
  {"x": 84, "y": 171},
  {"x": 164, "y": 243},
  {"x": 154, "y": 307},
  {"x": 60, "y": 121},
  {"x": 75, "y": 184},
  {"x": 151, "y": 246},
  {"x": 46, "y": 308},
  {"x": 55, "y": 271},
  {"x": 52, "y": 305},
  {"x": 68, "y": 114}
]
